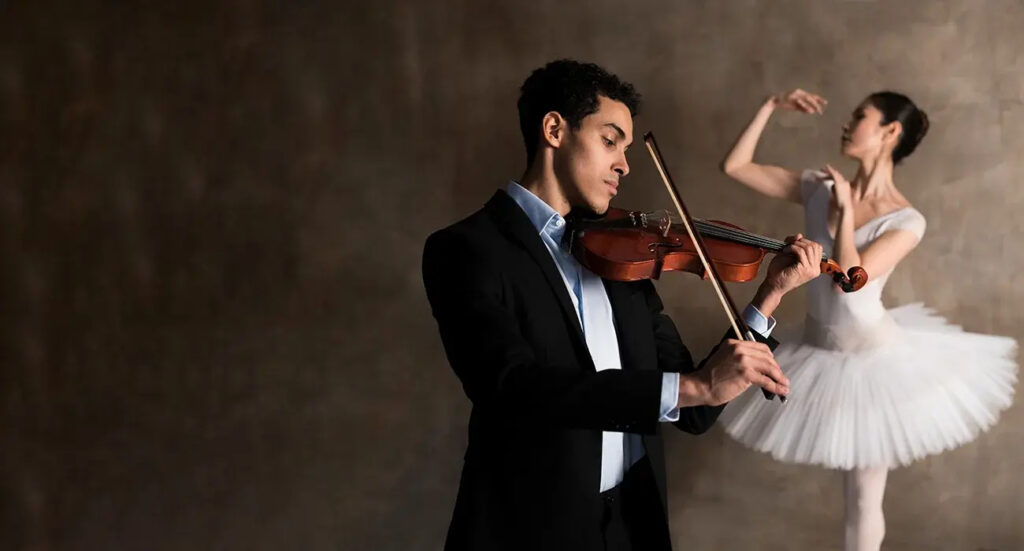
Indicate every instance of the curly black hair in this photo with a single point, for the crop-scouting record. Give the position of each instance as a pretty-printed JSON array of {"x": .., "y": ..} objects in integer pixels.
[{"x": 570, "y": 88}]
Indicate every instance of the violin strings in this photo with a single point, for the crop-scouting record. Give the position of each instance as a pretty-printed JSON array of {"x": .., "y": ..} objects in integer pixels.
[{"x": 714, "y": 230}]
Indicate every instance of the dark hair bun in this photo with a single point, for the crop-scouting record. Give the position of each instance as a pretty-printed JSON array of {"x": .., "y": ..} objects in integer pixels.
[
  {"x": 897, "y": 107},
  {"x": 924, "y": 126}
]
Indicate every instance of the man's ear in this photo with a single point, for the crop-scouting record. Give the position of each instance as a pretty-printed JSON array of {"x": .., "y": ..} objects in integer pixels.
[{"x": 553, "y": 128}]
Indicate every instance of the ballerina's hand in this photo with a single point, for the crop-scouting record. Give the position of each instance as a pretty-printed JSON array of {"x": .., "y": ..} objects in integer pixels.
[
  {"x": 840, "y": 188},
  {"x": 799, "y": 100}
]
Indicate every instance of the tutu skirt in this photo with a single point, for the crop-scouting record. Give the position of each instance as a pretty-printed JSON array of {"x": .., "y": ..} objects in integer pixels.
[{"x": 924, "y": 388}]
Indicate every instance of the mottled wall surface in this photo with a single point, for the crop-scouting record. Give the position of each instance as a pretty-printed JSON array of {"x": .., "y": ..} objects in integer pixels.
[{"x": 214, "y": 330}]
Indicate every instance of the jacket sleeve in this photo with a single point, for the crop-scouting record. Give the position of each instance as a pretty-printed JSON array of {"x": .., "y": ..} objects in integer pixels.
[{"x": 497, "y": 366}]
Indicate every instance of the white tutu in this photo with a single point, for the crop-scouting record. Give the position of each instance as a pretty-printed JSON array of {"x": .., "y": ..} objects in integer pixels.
[{"x": 927, "y": 388}]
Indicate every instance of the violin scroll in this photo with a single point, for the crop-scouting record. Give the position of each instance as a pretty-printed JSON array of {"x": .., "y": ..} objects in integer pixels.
[{"x": 849, "y": 282}]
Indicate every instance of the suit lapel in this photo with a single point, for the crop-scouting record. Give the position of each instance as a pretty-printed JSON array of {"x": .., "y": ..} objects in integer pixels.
[{"x": 515, "y": 224}]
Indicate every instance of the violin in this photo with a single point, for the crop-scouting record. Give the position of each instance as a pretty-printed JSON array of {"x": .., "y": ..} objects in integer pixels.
[{"x": 631, "y": 245}]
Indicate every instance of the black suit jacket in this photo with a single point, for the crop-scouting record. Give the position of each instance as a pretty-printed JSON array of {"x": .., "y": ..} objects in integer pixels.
[{"x": 533, "y": 462}]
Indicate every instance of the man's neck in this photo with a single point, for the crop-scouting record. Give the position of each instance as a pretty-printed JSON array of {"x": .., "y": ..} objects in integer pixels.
[{"x": 541, "y": 182}]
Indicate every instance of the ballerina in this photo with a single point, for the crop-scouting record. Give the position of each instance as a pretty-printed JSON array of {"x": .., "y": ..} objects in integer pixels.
[{"x": 874, "y": 389}]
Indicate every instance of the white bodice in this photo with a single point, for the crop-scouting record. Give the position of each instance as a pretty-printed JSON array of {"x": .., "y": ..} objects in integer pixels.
[{"x": 858, "y": 315}]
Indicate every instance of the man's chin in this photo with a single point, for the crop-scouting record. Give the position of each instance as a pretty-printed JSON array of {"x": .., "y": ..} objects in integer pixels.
[
  {"x": 600, "y": 207},
  {"x": 589, "y": 211},
  {"x": 591, "y": 208}
]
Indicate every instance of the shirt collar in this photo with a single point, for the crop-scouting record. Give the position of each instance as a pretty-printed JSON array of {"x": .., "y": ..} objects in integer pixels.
[{"x": 544, "y": 218}]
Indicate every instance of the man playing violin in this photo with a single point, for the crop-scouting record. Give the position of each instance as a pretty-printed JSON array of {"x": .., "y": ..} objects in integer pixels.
[{"x": 571, "y": 376}]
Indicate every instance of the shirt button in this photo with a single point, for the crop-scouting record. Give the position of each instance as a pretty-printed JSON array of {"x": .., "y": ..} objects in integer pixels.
[{"x": 559, "y": 222}]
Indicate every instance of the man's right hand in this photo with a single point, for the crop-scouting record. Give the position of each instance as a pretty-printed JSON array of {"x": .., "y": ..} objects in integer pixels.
[{"x": 731, "y": 370}]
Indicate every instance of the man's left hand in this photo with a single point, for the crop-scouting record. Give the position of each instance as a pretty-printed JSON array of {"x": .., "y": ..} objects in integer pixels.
[{"x": 795, "y": 265}]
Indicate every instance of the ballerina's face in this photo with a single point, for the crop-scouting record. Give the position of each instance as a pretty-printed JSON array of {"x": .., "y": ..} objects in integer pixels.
[{"x": 864, "y": 135}]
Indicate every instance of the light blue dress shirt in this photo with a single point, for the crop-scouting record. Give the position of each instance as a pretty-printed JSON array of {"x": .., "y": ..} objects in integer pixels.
[{"x": 593, "y": 310}]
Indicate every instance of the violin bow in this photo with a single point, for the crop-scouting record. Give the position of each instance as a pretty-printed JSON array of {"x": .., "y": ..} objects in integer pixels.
[{"x": 739, "y": 325}]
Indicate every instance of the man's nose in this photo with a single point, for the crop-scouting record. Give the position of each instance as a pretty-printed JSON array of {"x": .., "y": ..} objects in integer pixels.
[{"x": 621, "y": 167}]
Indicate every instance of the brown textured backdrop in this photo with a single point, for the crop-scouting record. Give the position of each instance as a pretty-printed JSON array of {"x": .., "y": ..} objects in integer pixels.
[{"x": 214, "y": 329}]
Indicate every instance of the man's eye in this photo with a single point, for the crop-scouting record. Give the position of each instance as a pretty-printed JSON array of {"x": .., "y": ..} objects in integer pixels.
[{"x": 608, "y": 142}]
